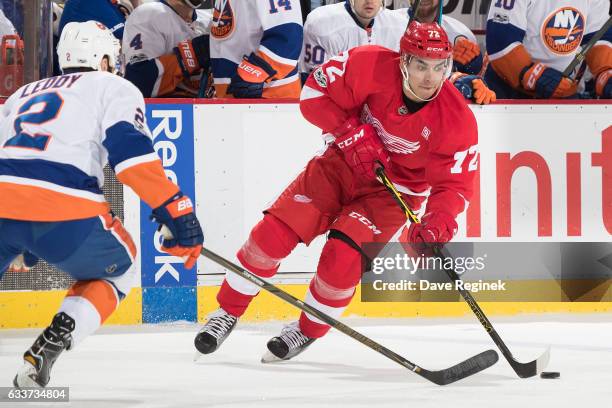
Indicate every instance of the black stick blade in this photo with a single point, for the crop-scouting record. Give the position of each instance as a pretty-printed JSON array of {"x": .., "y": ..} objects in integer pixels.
[{"x": 464, "y": 369}]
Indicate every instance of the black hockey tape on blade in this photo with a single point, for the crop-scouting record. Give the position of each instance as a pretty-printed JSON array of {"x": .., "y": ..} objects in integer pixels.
[{"x": 550, "y": 374}]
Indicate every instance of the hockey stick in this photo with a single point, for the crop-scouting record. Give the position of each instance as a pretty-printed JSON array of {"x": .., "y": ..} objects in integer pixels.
[
  {"x": 582, "y": 54},
  {"x": 441, "y": 377},
  {"x": 523, "y": 370}
]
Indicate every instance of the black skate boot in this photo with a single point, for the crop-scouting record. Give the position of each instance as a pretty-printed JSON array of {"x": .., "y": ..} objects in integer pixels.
[
  {"x": 39, "y": 359},
  {"x": 289, "y": 344},
  {"x": 220, "y": 324}
]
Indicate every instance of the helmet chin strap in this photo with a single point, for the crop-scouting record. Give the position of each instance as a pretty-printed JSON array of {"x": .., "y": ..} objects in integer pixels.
[{"x": 406, "y": 84}]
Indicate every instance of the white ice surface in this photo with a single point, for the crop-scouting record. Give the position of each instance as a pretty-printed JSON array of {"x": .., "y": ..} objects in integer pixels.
[{"x": 152, "y": 366}]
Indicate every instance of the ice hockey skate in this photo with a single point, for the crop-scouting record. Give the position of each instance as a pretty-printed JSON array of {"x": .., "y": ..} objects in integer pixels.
[
  {"x": 287, "y": 345},
  {"x": 39, "y": 359},
  {"x": 219, "y": 326}
]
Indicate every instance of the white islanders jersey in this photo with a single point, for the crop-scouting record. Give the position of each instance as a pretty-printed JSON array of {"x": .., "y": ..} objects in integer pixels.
[
  {"x": 330, "y": 30},
  {"x": 550, "y": 30},
  {"x": 57, "y": 134}
]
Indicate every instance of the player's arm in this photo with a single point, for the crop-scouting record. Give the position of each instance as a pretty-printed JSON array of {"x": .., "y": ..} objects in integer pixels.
[
  {"x": 335, "y": 91},
  {"x": 511, "y": 61},
  {"x": 278, "y": 52},
  {"x": 130, "y": 148},
  {"x": 155, "y": 74},
  {"x": 467, "y": 55},
  {"x": 450, "y": 170},
  {"x": 599, "y": 58},
  {"x": 131, "y": 155}
]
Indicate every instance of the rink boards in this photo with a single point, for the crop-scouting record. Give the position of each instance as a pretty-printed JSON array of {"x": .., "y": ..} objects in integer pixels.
[{"x": 547, "y": 176}]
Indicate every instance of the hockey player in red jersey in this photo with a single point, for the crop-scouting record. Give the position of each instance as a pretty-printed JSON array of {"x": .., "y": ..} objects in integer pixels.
[{"x": 376, "y": 107}]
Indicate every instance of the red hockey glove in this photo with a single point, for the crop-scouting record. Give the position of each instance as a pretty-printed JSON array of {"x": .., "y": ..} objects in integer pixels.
[
  {"x": 183, "y": 236},
  {"x": 547, "y": 82},
  {"x": 362, "y": 148},
  {"x": 438, "y": 227}
]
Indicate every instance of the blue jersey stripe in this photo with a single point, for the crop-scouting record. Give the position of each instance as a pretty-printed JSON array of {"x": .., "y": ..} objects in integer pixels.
[
  {"x": 284, "y": 40},
  {"x": 124, "y": 142},
  {"x": 499, "y": 36},
  {"x": 65, "y": 175},
  {"x": 223, "y": 68},
  {"x": 606, "y": 37}
]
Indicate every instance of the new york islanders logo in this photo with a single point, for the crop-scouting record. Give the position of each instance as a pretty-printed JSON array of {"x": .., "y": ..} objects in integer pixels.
[
  {"x": 562, "y": 30},
  {"x": 224, "y": 21}
]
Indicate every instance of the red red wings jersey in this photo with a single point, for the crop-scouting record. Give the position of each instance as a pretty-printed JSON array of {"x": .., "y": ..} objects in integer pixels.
[{"x": 433, "y": 152}]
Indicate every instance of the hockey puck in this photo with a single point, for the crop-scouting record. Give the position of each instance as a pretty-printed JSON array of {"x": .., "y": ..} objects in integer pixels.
[{"x": 550, "y": 374}]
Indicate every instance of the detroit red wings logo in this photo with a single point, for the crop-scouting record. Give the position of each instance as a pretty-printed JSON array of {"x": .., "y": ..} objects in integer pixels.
[
  {"x": 393, "y": 143},
  {"x": 224, "y": 21},
  {"x": 563, "y": 29}
]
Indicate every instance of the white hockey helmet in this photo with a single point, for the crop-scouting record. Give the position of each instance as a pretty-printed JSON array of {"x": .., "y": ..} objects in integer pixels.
[{"x": 84, "y": 45}]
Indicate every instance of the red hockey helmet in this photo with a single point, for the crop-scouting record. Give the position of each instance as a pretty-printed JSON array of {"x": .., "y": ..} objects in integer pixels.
[{"x": 426, "y": 40}]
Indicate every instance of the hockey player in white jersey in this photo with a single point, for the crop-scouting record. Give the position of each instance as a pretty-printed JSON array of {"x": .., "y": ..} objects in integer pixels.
[
  {"x": 56, "y": 135},
  {"x": 330, "y": 30},
  {"x": 254, "y": 48},
  {"x": 468, "y": 60},
  {"x": 530, "y": 44},
  {"x": 167, "y": 48}
]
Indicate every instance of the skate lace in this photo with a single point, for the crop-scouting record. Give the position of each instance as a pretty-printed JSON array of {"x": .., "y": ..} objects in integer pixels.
[
  {"x": 293, "y": 337},
  {"x": 218, "y": 326}
]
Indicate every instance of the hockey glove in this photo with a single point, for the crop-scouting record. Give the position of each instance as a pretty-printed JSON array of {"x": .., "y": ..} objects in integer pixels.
[
  {"x": 23, "y": 262},
  {"x": 362, "y": 148},
  {"x": 185, "y": 238},
  {"x": 474, "y": 88},
  {"x": 251, "y": 74},
  {"x": 437, "y": 227},
  {"x": 547, "y": 82},
  {"x": 193, "y": 55},
  {"x": 603, "y": 85},
  {"x": 467, "y": 56}
]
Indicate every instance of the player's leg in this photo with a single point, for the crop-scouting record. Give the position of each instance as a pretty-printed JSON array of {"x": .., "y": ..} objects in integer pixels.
[
  {"x": 303, "y": 211},
  {"x": 330, "y": 291},
  {"x": 269, "y": 242},
  {"x": 372, "y": 217},
  {"x": 99, "y": 253}
]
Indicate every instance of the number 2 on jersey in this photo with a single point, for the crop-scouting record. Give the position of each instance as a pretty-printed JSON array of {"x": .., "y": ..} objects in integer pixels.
[{"x": 51, "y": 106}]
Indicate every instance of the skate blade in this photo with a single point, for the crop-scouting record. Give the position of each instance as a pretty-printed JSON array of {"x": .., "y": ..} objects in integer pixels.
[
  {"x": 197, "y": 356},
  {"x": 269, "y": 358},
  {"x": 24, "y": 377}
]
